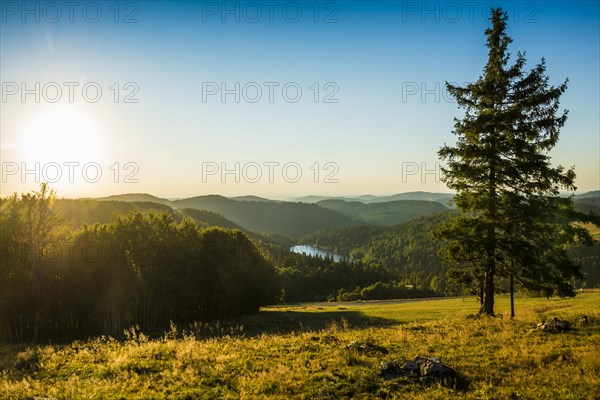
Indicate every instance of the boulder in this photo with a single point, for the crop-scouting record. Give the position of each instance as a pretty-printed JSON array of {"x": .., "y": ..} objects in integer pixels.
[
  {"x": 423, "y": 368},
  {"x": 390, "y": 369},
  {"x": 555, "y": 325}
]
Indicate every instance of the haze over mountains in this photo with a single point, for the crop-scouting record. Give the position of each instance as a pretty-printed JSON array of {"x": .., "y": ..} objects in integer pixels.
[
  {"x": 308, "y": 214},
  {"x": 384, "y": 213},
  {"x": 368, "y": 198},
  {"x": 293, "y": 219}
]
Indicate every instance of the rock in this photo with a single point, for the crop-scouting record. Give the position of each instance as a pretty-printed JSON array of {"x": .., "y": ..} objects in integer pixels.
[
  {"x": 555, "y": 325},
  {"x": 390, "y": 369},
  {"x": 411, "y": 367},
  {"x": 423, "y": 368},
  {"x": 430, "y": 367}
]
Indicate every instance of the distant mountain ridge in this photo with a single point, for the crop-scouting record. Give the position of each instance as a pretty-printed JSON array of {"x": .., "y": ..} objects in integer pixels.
[
  {"x": 90, "y": 211},
  {"x": 131, "y": 197},
  {"x": 384, "y": 213},
  {"x": 293, "y": 218},
  {"x": 366, "y": 198},
  {"x": 286, "y": 218},
  {"x": 253, "y": 198},
  {"x": 592, "y": 194},
  {"x": 369, "y": 198}
]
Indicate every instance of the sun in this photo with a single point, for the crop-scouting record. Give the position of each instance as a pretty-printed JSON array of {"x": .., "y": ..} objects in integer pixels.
[{"x": 62, "y": 134}]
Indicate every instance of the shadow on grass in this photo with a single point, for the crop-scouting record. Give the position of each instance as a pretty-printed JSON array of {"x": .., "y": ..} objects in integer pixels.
[{"x": 282, "y": 322}]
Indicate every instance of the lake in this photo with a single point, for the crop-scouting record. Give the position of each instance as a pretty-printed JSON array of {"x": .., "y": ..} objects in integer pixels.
[{"x": 314, "y": 251}]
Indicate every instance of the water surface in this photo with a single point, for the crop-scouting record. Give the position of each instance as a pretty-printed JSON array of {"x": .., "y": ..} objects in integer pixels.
[{"x": 314, "y": 251}]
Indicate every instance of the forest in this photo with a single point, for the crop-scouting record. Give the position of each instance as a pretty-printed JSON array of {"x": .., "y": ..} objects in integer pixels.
[
  {"x": 141, "y": 269},
  {"x": 78, "y": 268}
]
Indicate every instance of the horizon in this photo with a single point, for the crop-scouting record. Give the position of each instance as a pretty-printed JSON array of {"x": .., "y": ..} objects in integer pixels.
[
  {"x": 190, "y": 99},
  {"x": 351, "y": 197}
]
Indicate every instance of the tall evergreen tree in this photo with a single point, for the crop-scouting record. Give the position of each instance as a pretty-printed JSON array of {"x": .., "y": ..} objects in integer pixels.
[{"x": 512, "y": 223}]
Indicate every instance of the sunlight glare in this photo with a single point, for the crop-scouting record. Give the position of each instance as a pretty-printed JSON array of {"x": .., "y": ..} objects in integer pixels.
[{"x": 62, "y": 134}]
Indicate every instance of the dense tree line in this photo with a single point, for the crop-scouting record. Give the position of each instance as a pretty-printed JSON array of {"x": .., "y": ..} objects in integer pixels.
[
  {"x": 589, "y": 259},
  {"x": 313, "y": 278},
  {"x": 384, "y": 291},
  {"x": 342, "y": 240},
  {"x": 141, "y": 269},
  {"x": 410, "y": 254}
]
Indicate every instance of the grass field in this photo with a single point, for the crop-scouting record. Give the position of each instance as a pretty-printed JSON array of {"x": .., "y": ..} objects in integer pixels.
[{"x": 300, "y": 352}]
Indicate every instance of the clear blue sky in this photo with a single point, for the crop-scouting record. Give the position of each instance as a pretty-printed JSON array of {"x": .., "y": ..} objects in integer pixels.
[{"x": 374, "y": 58}]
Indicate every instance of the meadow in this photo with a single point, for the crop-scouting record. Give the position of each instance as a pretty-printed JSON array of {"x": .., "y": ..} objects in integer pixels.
[{"x": 300, "y": 351}]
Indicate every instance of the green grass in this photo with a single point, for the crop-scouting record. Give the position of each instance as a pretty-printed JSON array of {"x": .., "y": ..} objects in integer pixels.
[{"x": 299, "y": 352}]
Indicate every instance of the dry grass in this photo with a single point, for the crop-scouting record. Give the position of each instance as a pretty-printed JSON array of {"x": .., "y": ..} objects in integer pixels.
[{"x": 501, "y": 358}]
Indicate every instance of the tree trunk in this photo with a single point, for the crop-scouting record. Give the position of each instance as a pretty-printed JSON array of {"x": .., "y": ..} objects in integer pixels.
[
  {"x": 35, "y": 326},
  {"x": 487, "y": 308},
  {"x": 512, "y": 295},
  {"x": 481, "y": 295}
]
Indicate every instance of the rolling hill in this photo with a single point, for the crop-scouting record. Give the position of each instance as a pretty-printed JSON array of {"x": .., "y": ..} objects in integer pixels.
[
  {"x": 208, "y": 218},
  {"x": 384, "y": 213},
  {"x": 588, "y": 202},
  {"x": 286, "y": 218},
  {"x": 368, "y": 198},
  {"x": 293, "y": 219},
  {"x": 253, "y": 198},
  {"x": 88, "y": 211},
  {"x": 136, "y": 197}
]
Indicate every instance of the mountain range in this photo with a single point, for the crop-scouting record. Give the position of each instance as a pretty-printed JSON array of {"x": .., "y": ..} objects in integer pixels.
[{"x": 292, "y": 219}]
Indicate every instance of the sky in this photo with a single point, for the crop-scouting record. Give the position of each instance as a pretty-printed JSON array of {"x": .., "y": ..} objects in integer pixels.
[{"x": 276, "y": 99}]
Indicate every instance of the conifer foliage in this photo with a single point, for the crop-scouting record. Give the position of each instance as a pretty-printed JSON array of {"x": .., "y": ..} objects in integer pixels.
[{"x": 512, "y": 224}]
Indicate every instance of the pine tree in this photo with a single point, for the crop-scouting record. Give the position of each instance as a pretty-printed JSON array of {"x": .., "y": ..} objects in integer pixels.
[{"x": 512, "y": 222}]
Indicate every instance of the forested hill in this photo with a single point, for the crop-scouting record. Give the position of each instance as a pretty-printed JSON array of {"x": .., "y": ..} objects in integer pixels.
[
  {"x": 209, "y": 218},
  {"x": 386, "y": 213},
  {"x": 254, "y": 198},
  {"x": 588, "y": 202},
  {"x": 286, "y": 218},
  {"x": 135, "y": 197},
  {"x": 383, "y": 245},
  {"x": 88, "y": 211},
  {"x": 342, "y": 240},
  {"x": 410, "y": 251},
  {"x": 256, "y": 214},
  {"x": 368, "y": 198}
]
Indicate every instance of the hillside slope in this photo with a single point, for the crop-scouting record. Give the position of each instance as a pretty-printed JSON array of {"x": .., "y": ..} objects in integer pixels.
[
  {"x": 385, "y": 213},
  {"x": 286, "y": 218}
]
